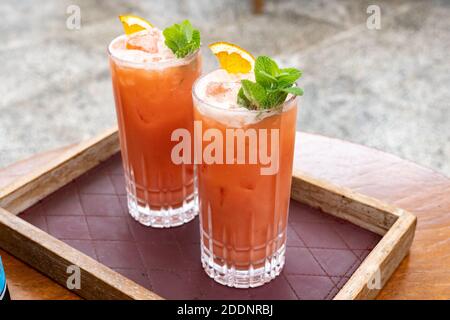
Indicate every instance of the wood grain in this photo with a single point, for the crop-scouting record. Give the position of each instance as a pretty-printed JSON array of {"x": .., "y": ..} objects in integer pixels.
[
  {"x": 343, "y": 203},
  {"x": 26, "y": 283},
  {"x": 423, "y": 274},
  {"x": 396, "y": 225},
  {"x": 379, "y": 265},
  {"x": 52, "y": 257},
  {"x": 35, "y": 185},
  {"x": 364, "y": 211}
]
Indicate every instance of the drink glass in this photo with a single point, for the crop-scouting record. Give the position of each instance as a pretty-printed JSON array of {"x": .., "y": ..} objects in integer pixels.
[
  {"x": 153, "y": 99},
  {"x": 243, "y": 213}
]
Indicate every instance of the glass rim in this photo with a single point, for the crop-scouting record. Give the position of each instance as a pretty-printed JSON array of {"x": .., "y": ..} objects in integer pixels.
[
  {"x": 173, "y": 62},
  {"x": 243, "y": 110}
]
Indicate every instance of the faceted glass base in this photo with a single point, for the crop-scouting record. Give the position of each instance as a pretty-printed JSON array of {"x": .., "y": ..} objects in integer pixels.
[
  {"x": 166, "y": 217},
  {"x": 238, "y": 278}
]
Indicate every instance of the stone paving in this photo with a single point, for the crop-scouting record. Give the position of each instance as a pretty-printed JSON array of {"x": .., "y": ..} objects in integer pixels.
[{"x": 386, "y": 88}]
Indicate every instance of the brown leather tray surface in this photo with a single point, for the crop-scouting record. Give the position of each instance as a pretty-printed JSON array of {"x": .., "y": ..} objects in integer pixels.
[{"x": 90, "y": 214}]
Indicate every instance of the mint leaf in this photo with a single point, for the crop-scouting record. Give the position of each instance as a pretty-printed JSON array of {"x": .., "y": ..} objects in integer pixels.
[
  {"x": 275, "y": 98},
  {"x": 288, "y": 76},
  {"x": 242, "y": 99},
  {"x": 272, "y": 85},
  {"x": 266, "y": 64},
  {"x": 254, "y": 92},
  {"x": 187, "y": 29},
  {"x": 293, "y": 90},
  {"x": 182, "y": 38},
  {"x": 266, "y": 71}
]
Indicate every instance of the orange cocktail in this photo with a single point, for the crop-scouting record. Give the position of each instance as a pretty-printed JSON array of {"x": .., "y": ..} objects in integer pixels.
[
  {"x": 243, "y": 208},
  {"x": 152, "y": 90}
]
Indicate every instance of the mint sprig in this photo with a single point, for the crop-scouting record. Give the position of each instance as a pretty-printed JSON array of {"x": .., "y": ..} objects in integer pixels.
[
  {"x": 272, "y": 85},
  {"x": 182, "y": 38}
]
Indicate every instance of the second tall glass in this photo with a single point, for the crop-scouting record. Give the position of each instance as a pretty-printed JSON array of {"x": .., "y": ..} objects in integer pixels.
[{"x": 244, "y": 206}]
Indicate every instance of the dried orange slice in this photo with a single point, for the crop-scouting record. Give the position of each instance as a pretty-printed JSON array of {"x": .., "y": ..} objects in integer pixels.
[
  {"x": 133, "y": 24},
  {"x": 233, "y": 58}
]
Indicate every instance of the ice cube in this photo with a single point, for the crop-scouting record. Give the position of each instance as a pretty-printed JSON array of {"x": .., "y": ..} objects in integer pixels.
[
  {"x": 144, "y": 41},
  {"x": 216, "y": 89}
]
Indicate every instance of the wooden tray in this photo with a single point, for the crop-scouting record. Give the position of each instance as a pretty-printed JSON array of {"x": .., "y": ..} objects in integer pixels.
[{"x": 356, "y": 245}]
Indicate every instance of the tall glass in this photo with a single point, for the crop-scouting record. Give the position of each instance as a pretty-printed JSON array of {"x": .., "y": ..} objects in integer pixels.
[
  {"x": 152, "y": 100},
  {"x": 243, "y": 212}
]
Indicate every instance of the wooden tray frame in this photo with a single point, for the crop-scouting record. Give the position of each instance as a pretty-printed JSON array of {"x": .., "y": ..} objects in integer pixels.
[{"x": 52, "y": 256}]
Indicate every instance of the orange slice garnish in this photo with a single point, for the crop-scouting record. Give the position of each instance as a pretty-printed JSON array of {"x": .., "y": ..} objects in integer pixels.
[
  {"x": 133, "y": 24},
  {"x": 233, "y": 58}
]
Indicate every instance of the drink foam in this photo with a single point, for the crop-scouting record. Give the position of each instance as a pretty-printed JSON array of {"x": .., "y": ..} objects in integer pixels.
[
  {"x": 143, "y": 48},
  {"x": 216, "y": 95}
]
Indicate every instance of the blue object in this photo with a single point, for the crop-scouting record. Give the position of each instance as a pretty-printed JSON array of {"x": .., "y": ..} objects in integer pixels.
[{"x": 2, "y": 280}]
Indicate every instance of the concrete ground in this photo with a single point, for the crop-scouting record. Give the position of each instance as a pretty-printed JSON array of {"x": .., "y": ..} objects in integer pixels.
[{"x": 386, "y": 88}]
